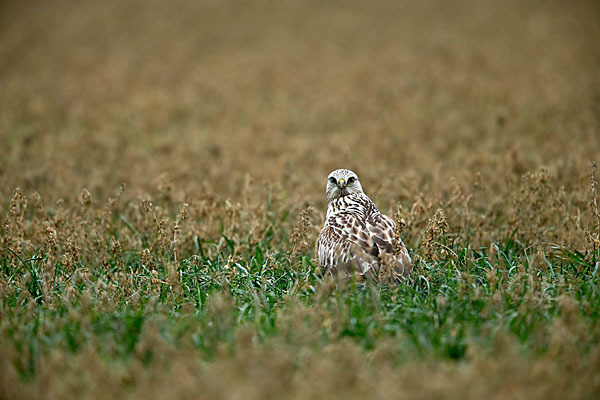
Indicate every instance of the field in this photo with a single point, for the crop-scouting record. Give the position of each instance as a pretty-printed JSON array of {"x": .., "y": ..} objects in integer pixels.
[{"x": 162, "y": 183}]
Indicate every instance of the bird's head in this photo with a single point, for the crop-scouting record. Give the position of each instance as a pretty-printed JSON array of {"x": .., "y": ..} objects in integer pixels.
[{"x": 342, "y": 182}]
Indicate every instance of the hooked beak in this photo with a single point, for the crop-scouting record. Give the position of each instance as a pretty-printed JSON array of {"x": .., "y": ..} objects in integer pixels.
[{"x": 341, "y": 183}]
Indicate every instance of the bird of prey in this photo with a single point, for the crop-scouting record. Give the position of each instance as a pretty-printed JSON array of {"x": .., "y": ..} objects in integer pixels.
[{"x": 357, "y": 237}]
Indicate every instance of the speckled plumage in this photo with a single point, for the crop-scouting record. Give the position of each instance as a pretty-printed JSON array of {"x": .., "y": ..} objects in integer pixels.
[{"x": 356, "y": 236}]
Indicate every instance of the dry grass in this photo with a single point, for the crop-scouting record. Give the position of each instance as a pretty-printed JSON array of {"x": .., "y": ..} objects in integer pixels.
[{"x": 162, "y": 174}]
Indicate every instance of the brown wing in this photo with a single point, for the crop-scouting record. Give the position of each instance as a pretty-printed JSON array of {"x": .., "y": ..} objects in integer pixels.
[{"x": 394, "y": 261}]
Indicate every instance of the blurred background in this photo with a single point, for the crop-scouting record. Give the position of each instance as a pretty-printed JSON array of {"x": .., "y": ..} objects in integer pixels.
[{"x": 198, "y": 96}]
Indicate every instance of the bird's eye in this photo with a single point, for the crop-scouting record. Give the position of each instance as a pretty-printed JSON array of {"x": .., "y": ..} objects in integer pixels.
[
  {"x": 351, "y": 180},
  {"x": 332, "y": 180}
]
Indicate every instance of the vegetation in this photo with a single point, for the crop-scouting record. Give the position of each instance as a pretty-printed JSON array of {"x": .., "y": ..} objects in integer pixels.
[{"x": 162, "y": 179}]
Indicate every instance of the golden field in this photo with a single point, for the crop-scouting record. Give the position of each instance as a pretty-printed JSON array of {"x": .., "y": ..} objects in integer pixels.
[{"x": 142, "y": 139}]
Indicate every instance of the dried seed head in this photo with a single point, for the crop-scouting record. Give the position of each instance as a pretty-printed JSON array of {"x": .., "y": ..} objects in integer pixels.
[
  {"x": 299, "y": 238},
  {"x": 85, "y": 198},
  {"x": 434, "y": 237},
  {"x": 146, "y": 205}
]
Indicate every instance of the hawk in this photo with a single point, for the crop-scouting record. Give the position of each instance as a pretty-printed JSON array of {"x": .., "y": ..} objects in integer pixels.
[{"x": 356, "y": 236}]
